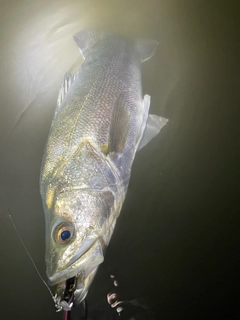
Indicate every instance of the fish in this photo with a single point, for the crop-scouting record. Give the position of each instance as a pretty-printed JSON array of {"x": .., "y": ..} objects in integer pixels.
[{"x": 101, "y": 121}]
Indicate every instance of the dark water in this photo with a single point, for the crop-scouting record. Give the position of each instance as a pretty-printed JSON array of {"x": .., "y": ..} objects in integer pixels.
[{"x": 175, "y": 250}]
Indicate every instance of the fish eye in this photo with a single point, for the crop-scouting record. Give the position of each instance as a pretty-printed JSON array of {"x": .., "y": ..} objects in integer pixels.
[{"x": 64, "y": 232}]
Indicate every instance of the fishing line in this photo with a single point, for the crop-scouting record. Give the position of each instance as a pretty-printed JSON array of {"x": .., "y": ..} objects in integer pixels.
[{"x": 29, "y": 255}]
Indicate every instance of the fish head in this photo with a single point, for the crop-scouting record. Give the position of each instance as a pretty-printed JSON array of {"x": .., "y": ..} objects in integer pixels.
[{"x": 79, "y": 225}]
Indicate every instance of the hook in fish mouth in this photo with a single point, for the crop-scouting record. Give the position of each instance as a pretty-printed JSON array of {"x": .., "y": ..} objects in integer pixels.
[{"x": 65, "y": 294}]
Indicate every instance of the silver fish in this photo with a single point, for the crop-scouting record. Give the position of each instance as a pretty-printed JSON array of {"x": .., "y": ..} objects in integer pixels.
[{"x": 101, "y": 120}]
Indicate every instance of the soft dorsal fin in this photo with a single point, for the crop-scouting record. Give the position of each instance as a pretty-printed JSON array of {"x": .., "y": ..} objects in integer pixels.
[
  {"x": 153, "y": 126},
  {"x": 145, "y": 48},
  {"x": 119, "y": 127},
  {"x": 87, "y": 39}
]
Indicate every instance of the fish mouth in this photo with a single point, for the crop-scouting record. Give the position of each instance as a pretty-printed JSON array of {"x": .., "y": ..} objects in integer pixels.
[
  {"x": 65, "y": 295},
  {"x": 72, "y": 292},
  {"x": 72, "y": 283},
  {"x": 86, "y": 258}
]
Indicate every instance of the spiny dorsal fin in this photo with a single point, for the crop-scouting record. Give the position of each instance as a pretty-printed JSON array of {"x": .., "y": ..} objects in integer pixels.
[
  {"x": 67, "y": 82},
  {"x": 153, "y": 126},
  {"x": 87, "y": 39},
  {"x": 145, "y": 48},
  {"x": 119, "y": 126}
]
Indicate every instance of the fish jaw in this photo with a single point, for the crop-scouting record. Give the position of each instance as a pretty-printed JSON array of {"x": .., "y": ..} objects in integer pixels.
[
  {"x": 82, "y": 271},
  {"x": 72, "y": 292},
  {"x": 81, "y": 267}
]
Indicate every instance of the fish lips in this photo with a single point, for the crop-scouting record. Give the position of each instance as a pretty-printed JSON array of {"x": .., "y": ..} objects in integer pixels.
[{"x": 81, "y": 265}]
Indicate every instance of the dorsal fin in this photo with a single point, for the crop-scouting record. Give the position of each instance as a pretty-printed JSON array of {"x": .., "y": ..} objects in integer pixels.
[
  {"x": 145, "y": 48},
  {"x": 87, "y": 39},
  {"x": 67, "y": 82}
]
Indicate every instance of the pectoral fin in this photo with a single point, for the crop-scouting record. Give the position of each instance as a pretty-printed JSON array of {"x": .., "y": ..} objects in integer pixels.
[
  {"x": 153, "y": 126},
  {"x": 87, "y": 39},
  {"x": 119, "y": 126}
]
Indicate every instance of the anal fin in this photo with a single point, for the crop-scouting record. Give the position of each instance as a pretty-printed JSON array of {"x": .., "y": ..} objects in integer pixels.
[{"x": 153, "y": 126}]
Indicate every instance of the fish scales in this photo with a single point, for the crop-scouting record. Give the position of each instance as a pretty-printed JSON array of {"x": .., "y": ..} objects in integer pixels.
[{"x": 87, "y": 111}]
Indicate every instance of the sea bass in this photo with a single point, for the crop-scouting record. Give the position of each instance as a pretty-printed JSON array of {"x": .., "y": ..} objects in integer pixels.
[{"x": 101, "y": 120}]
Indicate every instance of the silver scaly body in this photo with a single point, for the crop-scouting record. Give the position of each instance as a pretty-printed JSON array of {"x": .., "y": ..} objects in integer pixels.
[{"x": 101, "y": 120}]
